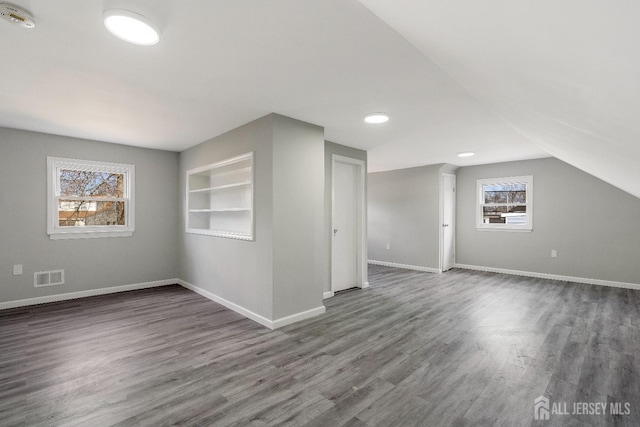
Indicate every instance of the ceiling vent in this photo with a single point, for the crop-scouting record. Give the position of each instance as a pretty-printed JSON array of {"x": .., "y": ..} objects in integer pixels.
[{"x": 16, "y": 15}]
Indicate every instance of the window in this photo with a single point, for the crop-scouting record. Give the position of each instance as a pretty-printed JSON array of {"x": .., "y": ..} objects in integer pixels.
[
  {"x": 505, "y": 203},
  {"x": 89, "y": 199}
]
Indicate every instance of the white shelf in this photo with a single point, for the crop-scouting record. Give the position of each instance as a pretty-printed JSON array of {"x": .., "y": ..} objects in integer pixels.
[
  {"x": 220, "y": 187},
  {"x": 220, "y": 199},
  {"x": 220, "y": 210},
  {"x": 223, "y": 170},
  {"x": 218, "y": 233}
]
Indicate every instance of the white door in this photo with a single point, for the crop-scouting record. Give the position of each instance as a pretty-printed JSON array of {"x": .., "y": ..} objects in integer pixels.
[
  {"x": 344, "y": 245},
  {"x": 448, "y": 221}
]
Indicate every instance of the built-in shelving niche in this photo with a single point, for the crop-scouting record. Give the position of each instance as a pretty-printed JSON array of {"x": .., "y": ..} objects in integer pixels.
[{"x": 220, "y": 199}]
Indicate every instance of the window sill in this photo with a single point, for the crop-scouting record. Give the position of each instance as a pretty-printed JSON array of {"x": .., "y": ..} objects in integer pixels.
[{"x": 89, "y": 235}]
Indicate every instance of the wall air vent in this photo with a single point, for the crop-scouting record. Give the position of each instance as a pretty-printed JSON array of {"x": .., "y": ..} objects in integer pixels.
[
  {"x": 16, "y": 15},
  {"x": 48, "y": 278}
]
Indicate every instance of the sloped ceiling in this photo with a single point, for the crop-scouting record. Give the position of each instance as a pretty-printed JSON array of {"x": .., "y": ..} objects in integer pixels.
[
  {"x": 509, "y": 80},
  {"x": 221, "y": 63},
  {"x": 565, "y": 75}
]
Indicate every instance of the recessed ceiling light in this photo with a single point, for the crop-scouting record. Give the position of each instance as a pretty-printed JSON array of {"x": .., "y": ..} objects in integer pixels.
[
  {"x": 466, "y": 154},
  {"x": 131, "y": 27},
  {"x": 376, "y": 118}
]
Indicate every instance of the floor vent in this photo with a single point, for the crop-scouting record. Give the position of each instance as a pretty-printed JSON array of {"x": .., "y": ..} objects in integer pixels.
[{"x": 48, "y": 278}]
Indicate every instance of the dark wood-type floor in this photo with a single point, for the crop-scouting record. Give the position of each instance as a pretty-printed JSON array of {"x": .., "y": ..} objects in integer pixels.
[{"x": 460, "y": 348}]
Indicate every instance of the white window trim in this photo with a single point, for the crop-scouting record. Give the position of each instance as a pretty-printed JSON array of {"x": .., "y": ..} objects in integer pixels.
[
  {"x": 55, "y": 232},
  {"x": 480, "y": 226}
]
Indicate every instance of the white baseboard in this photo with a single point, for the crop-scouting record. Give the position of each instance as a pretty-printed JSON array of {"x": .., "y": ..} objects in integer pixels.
[
  {"x": 551, "y": 276},
  {"x": 230, "y": 305},
  {"x": 405, "y": 266},
  {"x": 88, "y": 293},
  {"x": 284, "y": 321},
  {"x": 271, "y": 324}
]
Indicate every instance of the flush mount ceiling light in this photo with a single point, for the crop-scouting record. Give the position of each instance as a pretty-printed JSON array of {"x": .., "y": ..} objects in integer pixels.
[
  {"x": 466, "y": 154},
  {"x": 376, "y": 118},
  {"x": 16, "y": 15},
  {"x": 131, "y": 27}
]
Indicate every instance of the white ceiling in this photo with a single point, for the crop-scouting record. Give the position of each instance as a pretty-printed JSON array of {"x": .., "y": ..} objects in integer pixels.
[
  {"x": 564, "y": 74},
  {"x": 508, "y": 80}
]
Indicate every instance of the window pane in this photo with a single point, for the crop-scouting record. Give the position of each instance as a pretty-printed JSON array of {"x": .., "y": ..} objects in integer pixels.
[
  {"x": 516, "y": 215},
  {"x": 493, "y": 214},
  {"x": 80, "y": 213},
  {"x": 504, "y": 214},
  {"x": 518, "y": 196},
  {"x": 94, "y": 184},
  {"x": 505, "y": 193},
  {"x": 519, "y": 219},
  {"x": 495, "y": 197}
]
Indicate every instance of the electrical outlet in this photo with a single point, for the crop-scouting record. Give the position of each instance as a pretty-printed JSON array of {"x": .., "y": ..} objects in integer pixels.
[
  {"x": 388, "y": 246},
  {"x": 17, "y": 270},
  {"x": 554, "y": 253}
]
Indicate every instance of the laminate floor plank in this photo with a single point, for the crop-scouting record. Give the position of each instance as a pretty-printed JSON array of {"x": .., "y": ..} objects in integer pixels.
[{"x": 462, "y": 348}]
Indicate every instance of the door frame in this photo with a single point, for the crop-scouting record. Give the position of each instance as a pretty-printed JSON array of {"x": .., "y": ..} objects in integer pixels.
[
  {"x": 453, "y": 225},
  {"x": 361, "y": 219}
]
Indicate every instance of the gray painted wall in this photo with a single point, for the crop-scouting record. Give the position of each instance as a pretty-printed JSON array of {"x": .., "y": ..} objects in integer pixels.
[
  {"x": 236, "y": 270},
  {"x": 404, "y": 211},
  {"x": 150, "y": 254},
  {"x": 594, "y": 226},
  {"x": 279, "y": 273},
  {"x": 298, "y": 216},
  {"x": 331, "y": 148}
]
